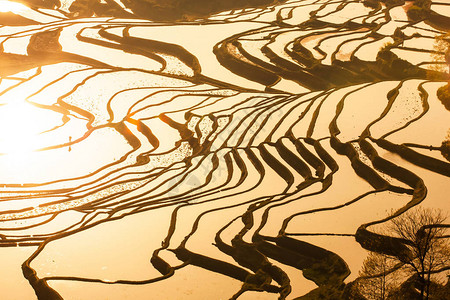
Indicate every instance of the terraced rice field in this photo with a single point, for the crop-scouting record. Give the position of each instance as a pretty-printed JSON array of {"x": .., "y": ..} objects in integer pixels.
[{"x": 181, "y": 152}]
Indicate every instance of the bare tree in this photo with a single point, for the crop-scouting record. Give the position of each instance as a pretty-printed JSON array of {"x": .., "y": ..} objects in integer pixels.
[
  {"x": 378, "y": 277},
  {"x": 417, "y": 273},
  {"x": 423, "y": 231}
]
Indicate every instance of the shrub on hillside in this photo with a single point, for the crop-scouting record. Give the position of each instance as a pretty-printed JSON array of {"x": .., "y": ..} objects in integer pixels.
[
  {"x": 443, "y": 94},
  {"x": 417, "y": 13}
]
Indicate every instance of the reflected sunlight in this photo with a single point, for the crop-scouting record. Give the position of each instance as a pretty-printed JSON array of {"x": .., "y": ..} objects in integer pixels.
[
  {"x": 9, "y": 6},
  {"x": 22, "y": 123}
]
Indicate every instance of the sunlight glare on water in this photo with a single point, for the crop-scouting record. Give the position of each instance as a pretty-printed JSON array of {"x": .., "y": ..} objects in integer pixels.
[
  {"x": 8, "y": 6},
  {"x": 22, "y": 124}
]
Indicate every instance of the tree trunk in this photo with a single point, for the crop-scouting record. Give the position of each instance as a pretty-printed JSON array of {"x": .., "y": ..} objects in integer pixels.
[{"x": 422, "y": 286}]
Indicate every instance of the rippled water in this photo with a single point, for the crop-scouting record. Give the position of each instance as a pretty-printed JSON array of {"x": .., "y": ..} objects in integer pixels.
[{"x": 162, "y": 152}]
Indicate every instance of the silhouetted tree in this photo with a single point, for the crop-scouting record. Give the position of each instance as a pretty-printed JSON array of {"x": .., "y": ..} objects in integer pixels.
[
  {"x": 378, "y": 277},
  {"x": 423, "y": 231},
  {"x": 416, "y": 274}
]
